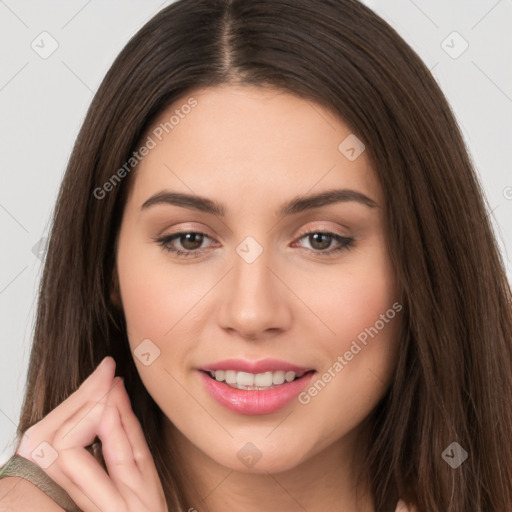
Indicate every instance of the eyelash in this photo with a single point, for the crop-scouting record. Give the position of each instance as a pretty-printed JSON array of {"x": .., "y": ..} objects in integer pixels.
[{"x": 346, "y": 243}]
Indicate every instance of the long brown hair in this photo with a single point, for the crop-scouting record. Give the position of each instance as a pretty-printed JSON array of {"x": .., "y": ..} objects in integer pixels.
[{"x": 453, "y": 380}]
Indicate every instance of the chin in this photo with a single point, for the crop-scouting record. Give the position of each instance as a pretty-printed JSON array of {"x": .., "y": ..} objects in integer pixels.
[{"x": 260, "y": 456}]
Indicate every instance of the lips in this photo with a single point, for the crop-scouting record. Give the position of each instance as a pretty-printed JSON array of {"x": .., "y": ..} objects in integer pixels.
[{"x": 253, "y": 399}]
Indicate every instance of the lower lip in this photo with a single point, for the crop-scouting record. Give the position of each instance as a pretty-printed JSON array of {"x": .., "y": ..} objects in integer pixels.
[{"x": 253, "y": 401}]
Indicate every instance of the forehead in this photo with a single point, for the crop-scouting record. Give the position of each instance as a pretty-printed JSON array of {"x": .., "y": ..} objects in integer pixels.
[{"x": 252, "y": 140}]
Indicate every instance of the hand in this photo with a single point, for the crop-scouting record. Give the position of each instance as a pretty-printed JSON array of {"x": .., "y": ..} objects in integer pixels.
[{"x": 99, "y": 407}]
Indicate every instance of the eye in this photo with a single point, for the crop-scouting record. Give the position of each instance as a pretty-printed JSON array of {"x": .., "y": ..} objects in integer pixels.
[
  {"x": 320, "y": 242},
  {"x": 190, "y": 241}
]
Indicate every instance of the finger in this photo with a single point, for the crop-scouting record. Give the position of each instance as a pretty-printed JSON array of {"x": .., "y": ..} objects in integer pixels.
[
  {"x": 81, "y": 429},
  {"x": 116, "y": 449},
  {"x": 74, "y": 468},
  {"x": 93, "y": 388},
  {"x": 80, "y": 475},
  {"x": 75, "y": 429},
  {"x": 140, "y": 450},
  {"x": 149, "y": 479},
  {"x": 78, "y": 471},
  {"x": 124, "y": 482}
]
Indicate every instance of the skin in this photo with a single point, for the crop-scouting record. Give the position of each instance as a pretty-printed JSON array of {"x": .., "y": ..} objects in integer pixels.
[
  {"x": 239, "y": 145},
  {"x": 101, "y": 408}
]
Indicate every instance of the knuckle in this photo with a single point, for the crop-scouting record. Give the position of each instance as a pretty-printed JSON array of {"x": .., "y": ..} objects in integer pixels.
[
  {"x": 87, "y": 418},
  {"x": 139, "y": 455}
]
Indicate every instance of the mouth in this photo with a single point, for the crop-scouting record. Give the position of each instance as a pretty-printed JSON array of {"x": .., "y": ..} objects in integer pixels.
[{"x": 269, "y": 387}]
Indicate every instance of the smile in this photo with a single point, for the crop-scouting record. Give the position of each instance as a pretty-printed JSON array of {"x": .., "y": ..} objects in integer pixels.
[{"x": 254, "y": 388}]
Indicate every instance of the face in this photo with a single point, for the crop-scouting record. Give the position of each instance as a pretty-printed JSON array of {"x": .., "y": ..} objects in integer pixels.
[{"x": 255, "y": 283}]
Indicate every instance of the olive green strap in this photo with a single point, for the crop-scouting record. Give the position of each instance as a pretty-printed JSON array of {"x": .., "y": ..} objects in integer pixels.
[{"x": 24, "y": 468}]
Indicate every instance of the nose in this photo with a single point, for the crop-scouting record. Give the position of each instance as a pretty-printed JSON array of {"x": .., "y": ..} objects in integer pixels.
[{"x": 255, "y": 303}]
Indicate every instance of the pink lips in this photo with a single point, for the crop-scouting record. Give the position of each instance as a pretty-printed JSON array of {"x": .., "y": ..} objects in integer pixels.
[{"x": 253, "y": 402}]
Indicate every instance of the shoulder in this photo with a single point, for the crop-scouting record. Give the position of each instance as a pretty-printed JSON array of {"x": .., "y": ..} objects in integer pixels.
[{"x": 19, "y": 495}]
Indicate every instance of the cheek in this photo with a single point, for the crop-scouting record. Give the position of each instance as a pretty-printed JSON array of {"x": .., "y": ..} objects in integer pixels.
[
  {"x": 155, "y": 294},
  {"x": 358, "y": 354},
  {"x": 357, "y": 362},
  {"x": 147, "y": 304},
  {"x": 362, "y": 298},
  {"x": 351, "y": 298},
  {"x": 155, "y": 300}
]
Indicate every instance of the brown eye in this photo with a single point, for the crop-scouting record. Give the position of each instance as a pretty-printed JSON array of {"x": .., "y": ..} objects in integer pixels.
[
  {"x": 191, "y": 241},
  {"x": 183, "y": 244},
  {"x": 321, "y": 241}
]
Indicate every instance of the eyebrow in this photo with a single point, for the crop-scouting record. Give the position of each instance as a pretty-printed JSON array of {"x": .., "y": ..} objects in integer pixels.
[{"x": 296, "y": 205}]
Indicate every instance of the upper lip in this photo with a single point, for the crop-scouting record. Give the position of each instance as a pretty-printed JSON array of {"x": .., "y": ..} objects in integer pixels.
[{"x": 261, "y": 366}]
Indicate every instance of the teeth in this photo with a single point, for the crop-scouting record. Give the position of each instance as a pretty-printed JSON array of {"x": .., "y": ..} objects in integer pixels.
[
  {"x": 245, "y": 379},
  {"x": 277, "y": 378},
  {"x": 263, "y": 379},
  {"x": 289, "y": 376},
  {"x": 230, "y": 376},
  {"x": 250, "y": 381}
]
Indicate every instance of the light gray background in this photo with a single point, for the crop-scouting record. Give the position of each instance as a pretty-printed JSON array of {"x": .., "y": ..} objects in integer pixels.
[{"x": 43, "y": 103}]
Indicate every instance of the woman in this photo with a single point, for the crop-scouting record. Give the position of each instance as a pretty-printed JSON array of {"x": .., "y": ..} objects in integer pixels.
[{"x": 342, "y": 345}]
